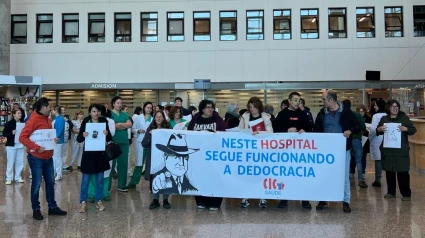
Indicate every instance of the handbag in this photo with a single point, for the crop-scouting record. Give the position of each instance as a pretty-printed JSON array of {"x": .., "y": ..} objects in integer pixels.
[{"x": 112, "y": 151}]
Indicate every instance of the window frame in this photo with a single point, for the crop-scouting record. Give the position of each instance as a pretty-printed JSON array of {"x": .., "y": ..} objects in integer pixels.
[
  {"x": 148, "y": 20},
  {"x": 275, "y": 18},
  {"x": 64, "y": 37},
  {"x": 401, "y": 21},
  {"x": 302, "y": 31},
  {"x": 201, "y": 19},
  {"x": 345, "y": 31},
  {"x": 224, "y": 20},
  {"x": 96, "y": 37},
  {"x": 262, "y": 34},
  {"x": 38, "y": 22},
  {"x": 12, "y": 38},
  {"x": 418, "y": 33},
  {"x": 366, "y": 16},
  {"x": 126, "y": 36},
  {"x": 168, "y": 27}
]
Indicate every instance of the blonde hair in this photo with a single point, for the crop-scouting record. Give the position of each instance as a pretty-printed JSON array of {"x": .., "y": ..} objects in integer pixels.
[{"x": 78, "y": 113}]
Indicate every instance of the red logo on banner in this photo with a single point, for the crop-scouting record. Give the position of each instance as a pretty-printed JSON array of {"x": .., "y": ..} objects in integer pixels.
[{"x": 272, "y": 184}]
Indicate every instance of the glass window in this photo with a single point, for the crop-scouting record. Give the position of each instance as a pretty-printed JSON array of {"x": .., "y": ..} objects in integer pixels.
[
  {"x": 365, "y": 22},
  {"x": 19, "y": 29},
  {"x": 282, "y": 24},
  {"x": 255, "y": 25},
  {"x": 202, "y": 26},
  {"x": 70, "y": 25},
  {"x": 228, "y": 26},
  {"x": 337, "y": 22},
  {"x": 149, "y": 26},
  {"x": 419, "y": 21},
  {"x": 96, "y": 27},
  {"x": 310, "y": 23},
  {"x": 393, "y": 22},
  {"x": 122, "y": 27},
  {"x": 175, "y": 26},
  {"x": 44, "y": 28}
]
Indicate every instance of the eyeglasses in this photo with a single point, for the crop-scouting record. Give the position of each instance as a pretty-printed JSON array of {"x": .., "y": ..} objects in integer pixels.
[{"x": 394, "y": 106}]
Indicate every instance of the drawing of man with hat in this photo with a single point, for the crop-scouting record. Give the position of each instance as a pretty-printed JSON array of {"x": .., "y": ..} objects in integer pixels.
[{"x": 172, "y": 178}]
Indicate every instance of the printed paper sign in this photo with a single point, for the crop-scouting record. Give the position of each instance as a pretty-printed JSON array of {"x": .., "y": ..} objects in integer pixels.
[
  {"x": 96, "y": 140},
  {"x": 19, "y": 127},
  {"x": 392, "y": 136},
  {"x": 44, "y": 138}
]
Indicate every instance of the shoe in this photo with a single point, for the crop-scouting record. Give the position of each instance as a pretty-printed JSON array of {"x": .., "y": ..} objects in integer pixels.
[
  {"x": 282, "y": 204},
  {"x": 124, "y": 190},
  {"x": 406, "y": 199},
  {"x": 57, "y": 211},
  {"x": 306, "y": 204},
  {"x": 91, "y": 199},
  {"x": 362, "y": 184},
  {"x": 263, "y": 203},
  {"x": 36, "y": 214},
  {"x": 9, "y": 182},
  {"x": 99, "y": 205},
  {"x": 107, "y": 198},
  {"x": 83, "y": 207},
  {"x": 166, "y": 204},
  {"x": 213, "y": 208},
  {"x": 58, "y": 178},
  {"x": 322, "y": 206},
  {"x": 201, "y": 206},
  {"x": 70, "y": 168},
  {"x": 346, "y": 207},
  {"x": 244, "y": 203},
  {"x": 79, "y": 167},
  {"x": 388, "y": 195},
  {"x": 351, "y": 176},
  {"x": 376, "y": 184},
  {"x": 30, "y": 177},
  {"x": 130, "y": 186},
  {"x": 154, "y": 204},
  {"x": 66, "y": 169},
  {"x": 20, "y": 181}
]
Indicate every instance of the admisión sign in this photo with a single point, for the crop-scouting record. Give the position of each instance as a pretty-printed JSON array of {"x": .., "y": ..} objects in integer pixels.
[{"x": 103, "y": 85}]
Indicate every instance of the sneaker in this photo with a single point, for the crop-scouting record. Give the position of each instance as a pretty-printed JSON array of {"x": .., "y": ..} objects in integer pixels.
[
  {"x": 213, "y": 208},
  {"x": 107, "y": 198},
  {"x": 91, "y": 199},
  {"x": 9, "y": 182},
  {"x": 57, "y": 211},
  {"x": 58, "y": 178},
  {"x": 99, "y": 205},
  {"x": 263, "y": 203},
  {"x": 244, "y": 203},
  {"x": 124, "y": 190},
  {"x": 376, "y": 184},
  {"x": 406, "y": 199},
  {"x": 70, "y": 168},
  {"x": 306, "y": 204},
  {"x": 20, "y": 181},
  {"x": 322, "y": 206},
  {"x": 36, "y": 214},
  {"x": 362, "y": 184},
  {"x": 346, "y": 207},
  {"x": 166, "y": 204},
  {"x": 283, "y": 204},
  {"x": 201, "y": 206},
  {"x": 154, "y": 204},
  {"x": 351, "y": 176},
  {"x": 388, "y": 195},
  {"x": 83, "y": 207},
  {"x": 130, "y": 186}
]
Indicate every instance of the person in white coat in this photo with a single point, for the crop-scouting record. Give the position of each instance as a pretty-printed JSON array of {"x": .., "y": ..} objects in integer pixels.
[
  {"x": 76, "y": 148},
  {"x": 376, "y": 141},
  {"x": 140, "y": 125}
]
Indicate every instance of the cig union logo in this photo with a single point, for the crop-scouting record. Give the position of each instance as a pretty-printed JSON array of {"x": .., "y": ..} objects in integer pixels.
[{"x": 272, "y": 184}]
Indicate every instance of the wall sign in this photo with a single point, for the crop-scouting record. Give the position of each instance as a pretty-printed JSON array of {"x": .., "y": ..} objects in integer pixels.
[{"x": 103, "y": 85}]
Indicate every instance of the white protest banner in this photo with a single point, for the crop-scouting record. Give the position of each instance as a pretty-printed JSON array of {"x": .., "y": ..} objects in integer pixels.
[
  {"x": 44, "y": 138},
  {"x": 292, "y": 166},
  {"x": 392, "y": 136},
  {"x": 96, "y": 140},
  {"x": 19, "y": 127}
]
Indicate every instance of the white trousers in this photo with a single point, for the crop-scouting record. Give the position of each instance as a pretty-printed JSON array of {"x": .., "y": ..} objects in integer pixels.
[
  {"x": 65, "y": 155},
  {"x": 15, "y": 156},
  {"x": 76, "y": 152},
  {"x": 58, "y": 154}
]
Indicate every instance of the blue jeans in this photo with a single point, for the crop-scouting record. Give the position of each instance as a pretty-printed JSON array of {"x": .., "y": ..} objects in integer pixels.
[
  {"x": 358, "y": 153},
  {"x": 42, "y": 168},
  {"x": 347, "y": 194},
  {"x": 378, "y": 170},
  {"x": 85, "y": 181}
]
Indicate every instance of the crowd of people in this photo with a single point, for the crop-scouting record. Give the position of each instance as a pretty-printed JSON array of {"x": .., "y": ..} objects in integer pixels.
[{"x": 125, "y": 131}]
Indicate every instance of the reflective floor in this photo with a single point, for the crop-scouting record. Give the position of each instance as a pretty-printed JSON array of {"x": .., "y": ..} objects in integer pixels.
[{"x": 127, "y": 215}]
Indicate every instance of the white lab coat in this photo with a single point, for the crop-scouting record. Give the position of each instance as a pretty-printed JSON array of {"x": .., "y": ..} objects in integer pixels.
[
  {"x": 375, "y": 140},
  {"x": 140, "y": 123}
]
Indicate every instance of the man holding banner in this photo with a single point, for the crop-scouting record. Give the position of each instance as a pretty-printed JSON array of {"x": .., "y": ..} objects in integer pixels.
[{"x": 334, "y": 118}]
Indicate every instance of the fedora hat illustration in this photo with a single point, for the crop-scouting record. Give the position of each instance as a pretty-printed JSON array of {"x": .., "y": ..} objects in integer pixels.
[{"x": 176, "y": 145}]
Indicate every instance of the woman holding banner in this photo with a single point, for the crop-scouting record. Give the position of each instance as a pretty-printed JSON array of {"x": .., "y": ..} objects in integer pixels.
[
  {"x": 207, "y": 120},
  {"x": 15, "y": 151},
  {"x": 176, "y": 117}
]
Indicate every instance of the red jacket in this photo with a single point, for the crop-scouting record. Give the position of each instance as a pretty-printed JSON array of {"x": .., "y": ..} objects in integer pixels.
[{"x": 36, "y": 122}]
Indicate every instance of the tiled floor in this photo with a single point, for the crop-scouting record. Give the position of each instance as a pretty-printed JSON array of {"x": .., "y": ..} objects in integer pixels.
[{"x": 127, "y": 215}]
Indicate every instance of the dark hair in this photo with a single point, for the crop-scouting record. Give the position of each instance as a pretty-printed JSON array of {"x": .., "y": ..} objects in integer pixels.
[
  {"x": 160, "y": 107},
  {"x": 191, "y": 109},
  {"x": 114, "y": 99},
  {"x": 257, "y": 103},
  {"x": 178, "y": 98},
  {"x": 124, "y": 106},
  {"x": 97, "y": 106},
  {"x": 390, "y": 103},
  {"x": 167, "y": 108},
  {"x": 78, "y": 113},
  {"x": 330, "y": 94},
  {"x": 102, "y": 110},
  {"x": 381, "y": 106},
  {"x": 137, "y": 110},
  {"x": 363, "y": 107},
  {"x": 164, "y": 124},
  {"x": 294, "y": 94},
  {"x": 58, "y": 108},
  {"x": 302, "y": 101},
  {"x": 242, "y": 111},
  {"x": 14, "y": 111},
  {"x": 173, "y": 111},
  {"x": 145, "y": 105},
  {"x": 203, "y": 104},
  {"x": 42, "y": 102},
  {"x": 347, "y": 103},
  {"x": 284, "y": 102}
]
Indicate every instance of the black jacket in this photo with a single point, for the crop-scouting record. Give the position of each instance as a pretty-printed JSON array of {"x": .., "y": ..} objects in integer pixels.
[
  {"x": 310, "y": 116},
  {"x": 187, "y": 187},
  {"x": 288, "y": 118},
  {"x": 231, "y": 120},
  {"x": 8, "y": 132},
  {"x": 347, "y": 121}
]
